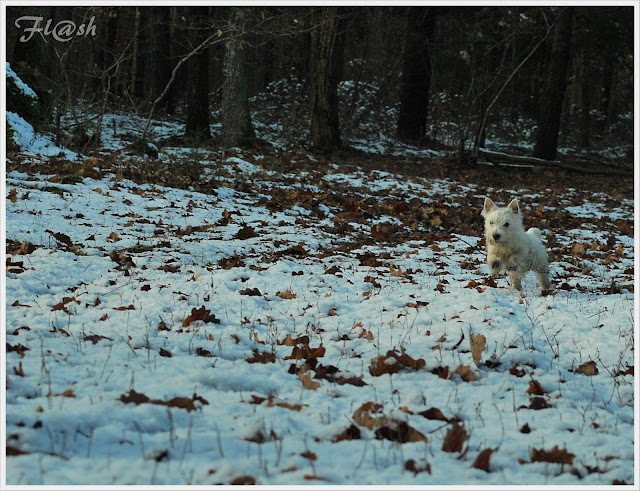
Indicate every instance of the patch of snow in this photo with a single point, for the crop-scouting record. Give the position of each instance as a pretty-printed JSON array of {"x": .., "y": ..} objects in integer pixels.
[
  {"x": 36, "y": 144},
  {"x": 26, "y": 90}
]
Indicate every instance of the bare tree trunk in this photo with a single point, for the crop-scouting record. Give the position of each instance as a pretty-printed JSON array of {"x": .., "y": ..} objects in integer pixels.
[
  {"x": 141, "y": 53},
  {"x": 554, "y": 89},
  {"x": 197, "y": 127},
  {"x": 161, "y": 42},
  {"x": 327, "y": 49},
  {"x": 585, "y": 97},
  {"x": 237, "y": 129},
  {"x": 481, "y": 131},
  {"x": 416, "y": 75},
  {"x": 605, "y": 96}
]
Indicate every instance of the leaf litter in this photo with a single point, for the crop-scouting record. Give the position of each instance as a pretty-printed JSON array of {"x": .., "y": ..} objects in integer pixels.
[{"x": 333, "y": 294}]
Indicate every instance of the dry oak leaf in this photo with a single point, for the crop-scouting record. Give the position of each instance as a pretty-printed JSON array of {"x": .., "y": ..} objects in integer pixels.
[
  {"x": 392, "y": 363},
  {"x": 246, "y": 233},
  {"x": 441, "y": 372},
  {"x": 179, "y": 402},
  {"x": 366, "y": 334},
  {"x": 370, "y": 416},
  {"x": 264, "y": 357},
  {"x": 628, "y": 371},
  {"x": 123, "y": 307},
  {"x": 62, "y": 238},
  {"x": 26, "y": 248},
  {"x": 286, "y": 295},
  {"x": 399, "y": 431},
  {"x": 67, "y": 393},
  {"x": 434, "y": 413},
  {"x": 535, "y": 388},
  {"x": 307, "y": 383},
  {"x": 478, "y": 346},
  {"x": 555, "y": 455},
  {"x": 257, "y": 339},
  {"x": 243, "y": 481},
  {"x": 251, "y": 292},
  {"x": 203, "y": 352},
  {"x": 113, "y": 237},
  {"x": 454, "y": 439},
  {"x": 231, "y": 262},
  {"x": 94, "y": 338},
  {"x": 364, "y": 415},
  {"x": 13, "y": 195},
  {"x": 201, "y": 314},
  {"x": 465, "y": 373},
  {"x": 578, "y": 250},
  {"x": 351, "y": 433},
  {"x": 538, "y": 403},
  {"x": 410, "y": 465},
  {"x": 306, "y": 352},
  {"x": 589, "y": 369},
  {"x": 482, "y": 460},
  {"x": 288, "y": 405},
  {"x": 290, "y": 341}
]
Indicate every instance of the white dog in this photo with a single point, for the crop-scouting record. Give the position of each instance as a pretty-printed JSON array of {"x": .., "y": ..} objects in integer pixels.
[{"x": 510, "y": 248}]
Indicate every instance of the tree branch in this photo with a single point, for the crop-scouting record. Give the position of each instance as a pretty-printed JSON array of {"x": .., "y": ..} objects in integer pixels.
[{"x": 485, "y": 115}]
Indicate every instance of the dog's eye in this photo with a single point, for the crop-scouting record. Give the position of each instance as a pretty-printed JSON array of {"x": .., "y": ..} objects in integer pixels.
[
  {"x": 506, "y": 224},
  {"x": 492, "y": 223}
]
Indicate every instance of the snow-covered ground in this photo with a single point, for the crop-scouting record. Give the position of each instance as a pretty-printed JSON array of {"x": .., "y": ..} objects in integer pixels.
[{"x": 273, "y": 328}]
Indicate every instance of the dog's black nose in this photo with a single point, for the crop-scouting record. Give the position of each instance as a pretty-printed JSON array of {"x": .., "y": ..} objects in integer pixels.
[{"x": 496, "y": 236}]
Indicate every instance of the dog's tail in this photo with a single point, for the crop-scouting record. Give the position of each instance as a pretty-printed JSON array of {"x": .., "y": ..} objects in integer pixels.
[{"x": 535, "y": 231}]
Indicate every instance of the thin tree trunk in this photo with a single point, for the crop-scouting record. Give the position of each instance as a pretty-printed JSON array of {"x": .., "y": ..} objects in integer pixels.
[
  {"x": 162, "y": 54},
  {"x": 327, "y": 49},
  {"x": 197, "y": 127},
  {"x": 237, "y": 129},
  {"x": 554, "y": 89},
  {"x": 585, "y": 99},
  {"x": 481, "y": 131},
  {"x": 416, "y": 75},
  {"x": 141, "y": 51},
  {"x": 605, "y": 96}
]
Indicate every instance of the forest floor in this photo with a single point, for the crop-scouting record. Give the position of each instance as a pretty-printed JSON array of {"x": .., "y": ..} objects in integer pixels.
[{"x": 273, "y": 317}]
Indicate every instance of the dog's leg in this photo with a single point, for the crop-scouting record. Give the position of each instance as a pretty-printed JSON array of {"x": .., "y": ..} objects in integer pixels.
[
  {"x": 544, "y": 281},
  {"x": 516, "y": 279},
  {"x": 494, "y": 264}
]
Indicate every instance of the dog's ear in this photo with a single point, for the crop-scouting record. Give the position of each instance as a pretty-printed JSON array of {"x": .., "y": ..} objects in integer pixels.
[
  {"x": 514, "y": 207},
  {"x": 488, "y": 206}
]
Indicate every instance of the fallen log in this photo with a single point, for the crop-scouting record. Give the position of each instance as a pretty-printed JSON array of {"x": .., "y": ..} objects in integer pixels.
[{"x": 570, "y": 163}]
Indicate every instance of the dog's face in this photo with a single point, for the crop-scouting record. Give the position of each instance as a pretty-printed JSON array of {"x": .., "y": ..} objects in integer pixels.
[{"x": 501, "y": 223}]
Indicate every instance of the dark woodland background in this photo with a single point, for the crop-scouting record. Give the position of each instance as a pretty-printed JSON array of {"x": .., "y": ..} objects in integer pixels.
[{"x": 447, "y": 78}]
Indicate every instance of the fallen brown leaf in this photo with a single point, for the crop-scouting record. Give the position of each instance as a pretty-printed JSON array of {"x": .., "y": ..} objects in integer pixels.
[
  {"x": 478, "y": 346},
  {"x": 392, "y": 363},
  {"x": 589, "y": 369},
  {"x": 482, "y": 460},
  {"x": 465, "y": 373},
  {"x": 535, "y": 388},
  {"x": 454, "y": 439},
  {"x": 433, "y": 413},
  {"x": 307, "y": 383},
  {"x": 286, "y": 295},
  {"x": 555, "y": 455}
]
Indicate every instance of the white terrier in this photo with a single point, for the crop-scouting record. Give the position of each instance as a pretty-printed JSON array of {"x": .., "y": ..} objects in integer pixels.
[{"x": 510, "y": 248}]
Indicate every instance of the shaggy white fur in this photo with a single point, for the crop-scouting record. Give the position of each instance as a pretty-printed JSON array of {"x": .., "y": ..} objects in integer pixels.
[{"x": 510, "y": 248}]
